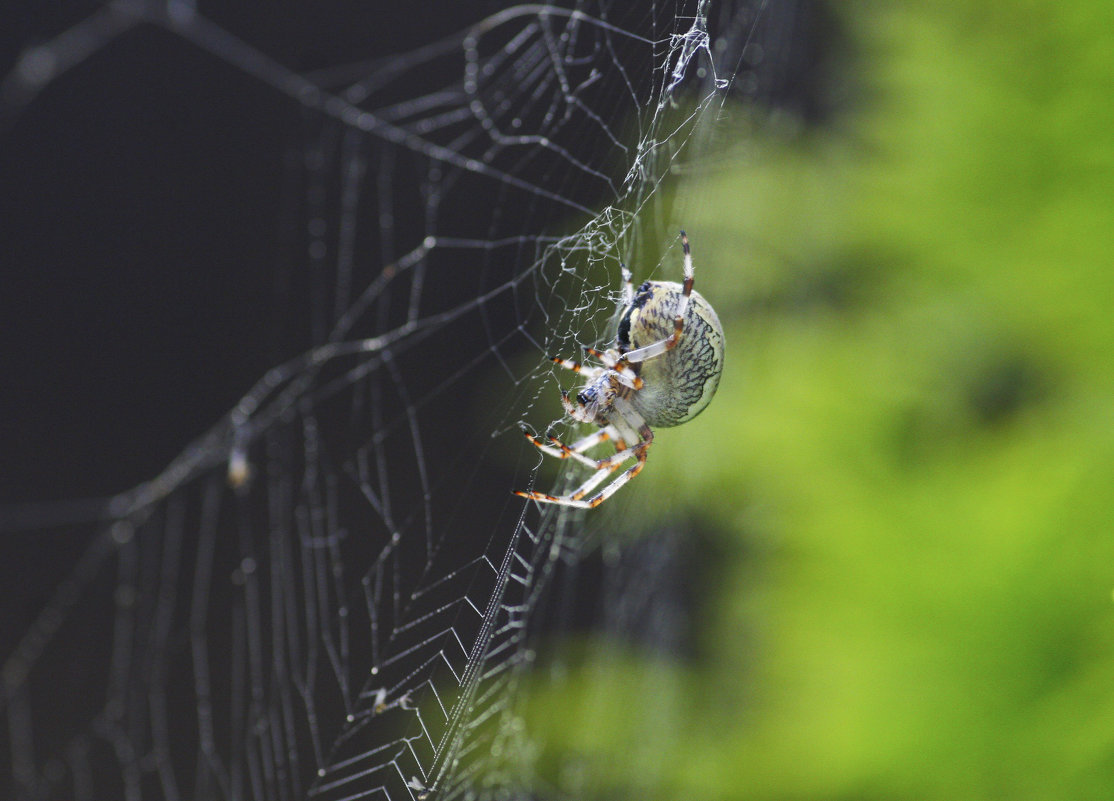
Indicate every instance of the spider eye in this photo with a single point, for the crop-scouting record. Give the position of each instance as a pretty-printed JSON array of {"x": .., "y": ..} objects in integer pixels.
[{"x": 583, "y": 398}]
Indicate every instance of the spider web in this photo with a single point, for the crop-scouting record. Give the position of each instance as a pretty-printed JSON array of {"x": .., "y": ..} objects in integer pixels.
[{"x": 331, "y": 593}]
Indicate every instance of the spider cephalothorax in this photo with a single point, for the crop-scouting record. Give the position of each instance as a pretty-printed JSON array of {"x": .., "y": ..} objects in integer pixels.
[{"x": 663, "y": 372}]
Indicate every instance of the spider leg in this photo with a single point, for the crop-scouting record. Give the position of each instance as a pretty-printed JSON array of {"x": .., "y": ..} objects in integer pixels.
[
  {"x": 627, "y": 475},
  {"x": 670, "y": 342},
  {"x": 629, "y": 424},
  {"x": 593, "y": 481},
  {"x": 626, "y": 423},
  {"x": 586, "y": 370},
  {"x": 576, "y": 450},
  {"x": 618, "y": 365},
  {"x": 609, "y": 358},
  {"x": 583, "y": 444},
  {"x": 611, "y": 462},
  {"x": 575, "y": 498},
  {"x": 570, "y": 407},
  {"x": 607, "y": 467}
]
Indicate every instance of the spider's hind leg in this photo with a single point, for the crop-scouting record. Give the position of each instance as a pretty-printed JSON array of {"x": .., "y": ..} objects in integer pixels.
[
  {"x": 576, "y": 497},
  {"x": 628, "y": 423},
  {"x": 574, "y": 451},
  {"x": 628, "y": 474}
]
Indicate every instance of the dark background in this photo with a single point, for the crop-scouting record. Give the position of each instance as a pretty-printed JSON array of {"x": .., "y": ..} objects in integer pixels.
[{"x": 144, "y": 250}]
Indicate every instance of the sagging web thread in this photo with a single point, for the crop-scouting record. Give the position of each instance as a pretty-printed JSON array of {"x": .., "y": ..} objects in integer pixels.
[{"x": 329, "y": 594}]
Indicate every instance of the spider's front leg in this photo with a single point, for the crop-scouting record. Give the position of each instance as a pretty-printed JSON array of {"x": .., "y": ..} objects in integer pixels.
[
  {"x": 611, "y": 361},
  {"x": 586, "y": 370},
  {"x": 617, "y": 364}
]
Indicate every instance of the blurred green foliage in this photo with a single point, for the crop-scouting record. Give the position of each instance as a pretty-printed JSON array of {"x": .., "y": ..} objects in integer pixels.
[{"x": 910, "y": 464}]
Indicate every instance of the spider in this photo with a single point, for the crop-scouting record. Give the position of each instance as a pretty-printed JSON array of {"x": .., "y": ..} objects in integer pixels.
[{"x": 663, "y": 372}]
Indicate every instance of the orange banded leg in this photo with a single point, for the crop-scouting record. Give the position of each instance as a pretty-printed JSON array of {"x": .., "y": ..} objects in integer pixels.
[
  {"x": 630, "y": 473},
  {"x": 618, "y": 365},
  {"x": 574, "y": 451},
  {"x": 576, "y": 498},
  {"x": 587, "y": 370}
]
